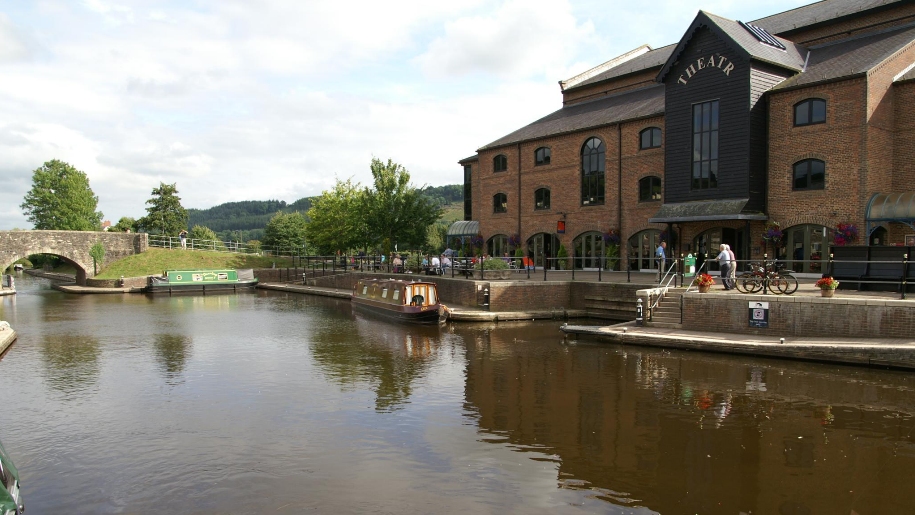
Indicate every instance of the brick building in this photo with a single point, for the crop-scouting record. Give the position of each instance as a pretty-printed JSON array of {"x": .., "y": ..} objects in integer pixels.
[{"x": 803, "y": 118}]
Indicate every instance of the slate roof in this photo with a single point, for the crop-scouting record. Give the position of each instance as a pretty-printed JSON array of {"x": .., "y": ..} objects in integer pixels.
[
  {"x": 472, "y": 158},
  {"x": 853, "y": 56},
  {"x": 746, "y": 43},
  {"x": 818, "y": 12},
  {"x": 638, "y": 103},
  {"x": 651, "y": 59}
]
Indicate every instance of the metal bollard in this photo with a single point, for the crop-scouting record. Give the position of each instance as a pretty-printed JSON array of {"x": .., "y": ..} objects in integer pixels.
[
  {"x": 486, "y": 298},
  {"x": 639, "y": 312}
]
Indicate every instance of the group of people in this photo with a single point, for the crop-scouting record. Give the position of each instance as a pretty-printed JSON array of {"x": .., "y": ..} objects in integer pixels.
[{"x": 428, "y": 264}]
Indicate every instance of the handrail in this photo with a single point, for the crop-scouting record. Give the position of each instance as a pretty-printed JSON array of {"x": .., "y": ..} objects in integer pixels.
[
  {"x": 698, "y": 272},
  {"x": 661, "y": 284}
]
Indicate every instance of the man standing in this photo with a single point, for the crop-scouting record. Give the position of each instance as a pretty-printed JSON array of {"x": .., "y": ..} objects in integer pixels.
[
  {"x": 661, "y": 254},
  {"x": 183, "y": 237}
]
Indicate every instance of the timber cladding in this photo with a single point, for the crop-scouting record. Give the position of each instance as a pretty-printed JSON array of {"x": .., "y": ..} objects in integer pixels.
[{"x": 807, "y": 317}]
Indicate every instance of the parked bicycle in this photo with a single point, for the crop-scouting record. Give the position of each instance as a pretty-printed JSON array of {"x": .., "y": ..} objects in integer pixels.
[{"x": 771, "y": 275}]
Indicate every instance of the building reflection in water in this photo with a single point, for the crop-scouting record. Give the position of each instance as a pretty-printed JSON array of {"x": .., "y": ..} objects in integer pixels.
[
  {"x": 689, "y": 432},
  {"x": 172, "y": 353},
  {"x": 391, "y": 357}
]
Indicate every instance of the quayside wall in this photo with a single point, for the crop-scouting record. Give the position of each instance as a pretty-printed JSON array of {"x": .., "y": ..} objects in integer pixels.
[{"x": 615, "y": 301}]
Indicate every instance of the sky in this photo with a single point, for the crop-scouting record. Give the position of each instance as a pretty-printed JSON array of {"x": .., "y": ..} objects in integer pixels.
[{"x": 275, "y": 100}]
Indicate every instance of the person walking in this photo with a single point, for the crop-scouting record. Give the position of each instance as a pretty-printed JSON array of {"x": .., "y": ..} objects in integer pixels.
[
  {"x": 183, "y": 237},
  {"x": 724, "y": 259},
  {"x": 732, "y": 276},
  {"x": 661, "y": 255}
]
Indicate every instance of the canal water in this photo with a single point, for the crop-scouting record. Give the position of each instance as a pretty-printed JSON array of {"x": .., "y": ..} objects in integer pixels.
[{"x": 273, "y": 402}]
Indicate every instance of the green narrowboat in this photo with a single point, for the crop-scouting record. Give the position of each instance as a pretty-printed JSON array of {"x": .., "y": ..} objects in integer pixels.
[{"x": 202, "y": 281}]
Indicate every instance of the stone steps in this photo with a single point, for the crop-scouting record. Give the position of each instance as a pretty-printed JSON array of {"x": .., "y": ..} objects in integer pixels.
[{"x": 666, "y": 314}]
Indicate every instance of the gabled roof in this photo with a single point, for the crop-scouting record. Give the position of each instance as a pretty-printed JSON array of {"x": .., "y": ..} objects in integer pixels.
[
  {"x": 852, "y": 56},
  {"x": 742, "y": 42},
  {"x": 470, "y": 159},
  {"x": 819, "y": 12},
  {"x": 646, "y": 61},
  {"x": 639, "y": 103}
]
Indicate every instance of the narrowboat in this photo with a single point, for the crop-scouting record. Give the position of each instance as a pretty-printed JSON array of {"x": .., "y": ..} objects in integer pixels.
[
  {"x": 407, "y": 301},
  {"x": 202, "y": 281},
  {"x": 10, "y": 495}
]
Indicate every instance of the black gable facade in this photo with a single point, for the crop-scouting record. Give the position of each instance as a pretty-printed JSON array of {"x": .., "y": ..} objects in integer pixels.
[{"x": 715, "y": 158}]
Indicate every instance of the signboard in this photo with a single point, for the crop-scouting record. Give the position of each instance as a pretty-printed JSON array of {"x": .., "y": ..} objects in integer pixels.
[
  {"x": 759, "y": 314},
  {"x": 560, "y": 227}
]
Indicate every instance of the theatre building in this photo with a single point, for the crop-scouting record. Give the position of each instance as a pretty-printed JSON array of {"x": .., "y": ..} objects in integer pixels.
[{"x": 803, "y": 118}]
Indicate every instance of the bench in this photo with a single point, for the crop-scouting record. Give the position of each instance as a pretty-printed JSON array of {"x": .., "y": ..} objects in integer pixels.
[
  {"x": 885, "y": 265},
  {"x": 849, "y": 265}
]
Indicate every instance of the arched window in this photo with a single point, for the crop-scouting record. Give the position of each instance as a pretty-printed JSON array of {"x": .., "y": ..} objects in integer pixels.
[
  {"x": 642, "y": 246},
  {"x": 588, "y": 249},
  {"x": 500, "y": 163},
  {"x": 649, "y": 189},
  {"x": 497, "y": 246},
  {"x": 592, "y": 172},
  {"x": 499, "y": 203},
  {"x": 809, "y": 174},
  {"x": 809, "y": 112},
  {"x": 650, "y": 138},
  {"x": 542, "y": 198},
  {"x": 542, "y": 156}
]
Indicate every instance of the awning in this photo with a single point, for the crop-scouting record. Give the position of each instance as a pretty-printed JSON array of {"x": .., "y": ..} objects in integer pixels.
[
  {"x": 464, "y": 228},
  {"x": 891, "y": 207},
  {"x": 729, "y": 209}
]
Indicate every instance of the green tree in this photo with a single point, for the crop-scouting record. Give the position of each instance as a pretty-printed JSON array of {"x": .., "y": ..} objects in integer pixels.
[
  {"x": 285, "y": 232},
  {"x": 395, "y": 210},
  {"x": 61, "y": 199},
  {"x": 203, "y": 237},
  {"x": 126, "y": 223},
  {"x": 97, "y": 251},
  {"x": 165, "y": 215},
  {"x": 337, "y": 219}
]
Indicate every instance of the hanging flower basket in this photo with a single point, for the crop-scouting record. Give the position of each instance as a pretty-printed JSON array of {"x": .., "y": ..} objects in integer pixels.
[{"x": 845, "y": 234}]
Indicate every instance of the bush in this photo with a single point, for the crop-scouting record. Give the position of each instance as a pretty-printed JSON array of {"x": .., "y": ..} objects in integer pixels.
[
  {"x": 562, "y": 256},
  {"x": 495, "y": 264},
  {"x": 612, "y": 253},
  {"x": 414, "y": 262}
]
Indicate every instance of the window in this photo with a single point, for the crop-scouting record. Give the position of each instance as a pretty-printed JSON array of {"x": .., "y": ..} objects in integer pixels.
[
  {"x": 499, "y": 203},
  {"x": 592, "y": 172},
  {"x": 542, "y": 198},
  {"x": 542, "y": 156},
  {"x": 809, "y": 174},
  {"x": 500, "y": 163},
  {"x": 649, "y": 189},
  {"x": 650, "y": 138},
  {"x": 809, "y": 112},
  {"x": 705, "y": 145}
]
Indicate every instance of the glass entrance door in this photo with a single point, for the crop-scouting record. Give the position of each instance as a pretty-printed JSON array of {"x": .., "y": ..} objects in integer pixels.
[
  {"x": 588, "y": 248},
  {"x": 541, "y": 247},
  {"x": 806, "y": 248},
  {"x": 642, "y": 247}
]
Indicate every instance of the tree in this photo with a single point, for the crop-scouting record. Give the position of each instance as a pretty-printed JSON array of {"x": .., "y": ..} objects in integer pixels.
[
  {"x": 396, "y": 211},
  {"x": 285, "y": 232},
  {"x": 126, "y": 223},
  {"x": 165, "y": 215},
  {"x": 97, "y": 251},
  {"x": 61, "y": 199},
  {"x": 337, "y": 219},
  {"x": 204, "y": 237}
]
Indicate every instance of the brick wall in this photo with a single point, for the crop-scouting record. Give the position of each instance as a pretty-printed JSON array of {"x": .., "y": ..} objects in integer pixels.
[{"x": 809, "y": 317}]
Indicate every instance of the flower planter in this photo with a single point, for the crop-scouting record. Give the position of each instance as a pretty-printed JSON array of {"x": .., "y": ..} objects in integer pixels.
[
  {"x": 491, "y": 275},
  {"x": 827, "y": 292},
  {"x": 704, "y": 288}
]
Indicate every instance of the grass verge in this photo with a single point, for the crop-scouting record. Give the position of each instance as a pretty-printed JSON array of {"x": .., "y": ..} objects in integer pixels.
[{"x": 155, "y": 261}]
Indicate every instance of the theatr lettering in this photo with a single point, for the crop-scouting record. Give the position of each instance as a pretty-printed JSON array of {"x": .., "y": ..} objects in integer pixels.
[{"x": 721, "y": 62}]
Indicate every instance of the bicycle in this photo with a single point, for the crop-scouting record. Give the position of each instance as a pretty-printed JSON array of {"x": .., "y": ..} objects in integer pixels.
[{"x": 758, "y": 277}]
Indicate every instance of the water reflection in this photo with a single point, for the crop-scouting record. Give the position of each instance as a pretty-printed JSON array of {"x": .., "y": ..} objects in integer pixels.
[
  {"x": 71, "y": 362},
  {"x": 389, "y": 357},
  {"x": 172, "y": 352},
  {"x": 680, "y": 432}
]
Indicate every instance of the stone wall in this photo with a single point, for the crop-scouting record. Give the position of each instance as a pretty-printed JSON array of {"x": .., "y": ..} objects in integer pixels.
[{"x": 809, "y": 317}]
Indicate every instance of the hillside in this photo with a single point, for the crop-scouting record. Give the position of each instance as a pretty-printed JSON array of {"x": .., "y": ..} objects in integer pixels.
[
  {"x": 155, "y": 261},
  {"x": 245, "y": 220}
]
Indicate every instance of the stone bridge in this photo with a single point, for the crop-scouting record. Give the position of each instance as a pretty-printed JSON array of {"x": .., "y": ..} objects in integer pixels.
[{"x": 71, "y": 246}]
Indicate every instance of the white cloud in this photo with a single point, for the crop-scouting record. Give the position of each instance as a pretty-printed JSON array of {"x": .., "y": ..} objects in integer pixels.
[{"x": 520, "y": 38}]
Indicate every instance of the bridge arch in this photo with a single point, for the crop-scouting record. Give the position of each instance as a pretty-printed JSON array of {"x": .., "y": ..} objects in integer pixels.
[{"x": 71, "y": 246}]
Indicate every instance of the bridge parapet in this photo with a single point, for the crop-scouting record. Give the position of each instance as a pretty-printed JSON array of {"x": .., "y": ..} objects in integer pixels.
[{"x": 71, "y": 246}]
